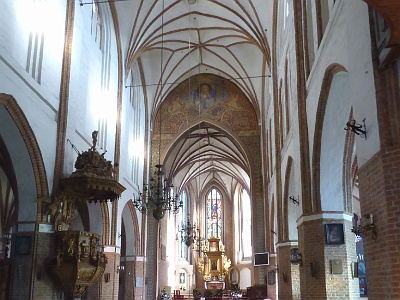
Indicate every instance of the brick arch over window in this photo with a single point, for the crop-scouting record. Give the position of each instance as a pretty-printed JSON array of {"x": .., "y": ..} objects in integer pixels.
[
  {"x": 273, "y": 233},
  {"x": 106, "y": 223},
  {"x": 32, "y": 146},
  {"x": 138, "y": 245},
  {"x": 284, "y": 226},
  {"x": 314, "y": 204}
]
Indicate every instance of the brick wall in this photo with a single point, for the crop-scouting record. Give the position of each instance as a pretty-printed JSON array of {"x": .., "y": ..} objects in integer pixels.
[
  {"x": 43, "y": 281},
  {"x": 322, "y": 284},
  {"x": 285, "y": 270},
  {"x": 380, "y": 194},
  {"x": 311, "y": 246},
  {"x": 31, "y": 277},
  {"x": 131, "y": 279}
]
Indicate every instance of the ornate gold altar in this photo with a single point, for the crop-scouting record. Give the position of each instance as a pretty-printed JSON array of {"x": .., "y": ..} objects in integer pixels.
[{"x": 214, "y": 265}]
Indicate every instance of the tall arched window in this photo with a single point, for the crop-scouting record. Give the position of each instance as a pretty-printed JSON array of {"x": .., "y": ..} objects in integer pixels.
[
  {"x": 136, "y": 127},
  {"x": 286, "y": 13},
  {"x": 214, "y": 214},
  {"x": 246, "y": 225},
  {"x": 97, "y": 25}
]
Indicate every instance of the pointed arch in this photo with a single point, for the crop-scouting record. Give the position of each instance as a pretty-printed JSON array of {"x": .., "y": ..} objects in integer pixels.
[
  {"x": 225, "y": 198},
  {"x": 105, "y": 215},
  {"x": 273, "y": 233},
  {"x": 314, "y": 204},
  {"x": 136, "y": 232},
  {"x": 348, "y": 168},
  {"x": 287, "y": 100},
  {"x": 33, "y": 151},
  {"x": 285, "y": 212},
  {"x": 281, "y": 115},
  {"x": 30, "y": 141}
]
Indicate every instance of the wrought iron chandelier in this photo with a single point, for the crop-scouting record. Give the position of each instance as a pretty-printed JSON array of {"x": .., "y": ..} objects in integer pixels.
[
  {"x": 199, "y": 245},
  {"x": 189, "y": 234},
  {"x": 158, "y": 196}
]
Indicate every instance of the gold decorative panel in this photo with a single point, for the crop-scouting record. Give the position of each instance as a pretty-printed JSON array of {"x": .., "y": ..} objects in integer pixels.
[{"x": 77, "y": 264}]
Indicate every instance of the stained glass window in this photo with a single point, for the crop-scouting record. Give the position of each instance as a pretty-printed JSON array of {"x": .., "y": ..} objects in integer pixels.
[{"x": 214, "y": 214}]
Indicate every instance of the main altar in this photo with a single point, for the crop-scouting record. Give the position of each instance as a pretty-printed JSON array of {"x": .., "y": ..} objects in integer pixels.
[{"x": 213, "y": 265}]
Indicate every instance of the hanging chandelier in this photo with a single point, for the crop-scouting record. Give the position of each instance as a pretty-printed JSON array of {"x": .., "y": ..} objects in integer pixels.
[
  {"x": 189, "y": 234},
  {"x": 199, "y": 245},
  {"x": 158, "y": 196}
]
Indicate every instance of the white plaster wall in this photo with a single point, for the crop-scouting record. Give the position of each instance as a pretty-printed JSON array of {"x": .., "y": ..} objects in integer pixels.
[
  {"x": 347, "y": 42},
  {"x": 332, "y": 144},
  {"x": 20, "y": 21},
  {"x": 93, "y": 93},
  {"x": 23, "y": 170},
  {"x": 132, "y": 141},
  {"x": 129, "y": 232},
  {"x": 294, "y": 210},
  {"x": 361, "y": 79},
  {"x": 93, "y": 87},
  {"x": 38, "y": 101}
]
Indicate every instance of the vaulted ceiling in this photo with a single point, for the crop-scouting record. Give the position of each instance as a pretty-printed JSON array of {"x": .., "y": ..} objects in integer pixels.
[
  {"x": 205, "y": 154},
  {"x": 173, "y": 40}
]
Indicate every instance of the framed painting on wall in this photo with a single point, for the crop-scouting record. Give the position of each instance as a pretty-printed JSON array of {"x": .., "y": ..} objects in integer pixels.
[{"x": 334, "y": 234}]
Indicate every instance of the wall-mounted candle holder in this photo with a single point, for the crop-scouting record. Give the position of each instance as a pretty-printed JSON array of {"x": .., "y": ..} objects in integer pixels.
[
  {"x": 294, "y": 200},
  {"x": 296, "y": 257},
  {"x": 359, "y": 129},
  {"x": 363, "y": 230}
]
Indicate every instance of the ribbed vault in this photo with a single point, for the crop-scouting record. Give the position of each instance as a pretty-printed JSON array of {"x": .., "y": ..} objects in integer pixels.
[{"x": 175, "y": 41}]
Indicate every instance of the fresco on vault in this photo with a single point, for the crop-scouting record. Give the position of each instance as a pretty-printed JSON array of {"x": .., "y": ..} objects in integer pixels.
[{"x": 207, "y": 97}]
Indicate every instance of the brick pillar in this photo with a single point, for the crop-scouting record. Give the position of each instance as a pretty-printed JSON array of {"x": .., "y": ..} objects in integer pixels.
[
  {"x": 284, "y": 272},
  {"x": 295, "y": 281},
  {"x": 273, "y": 263},
  {"x": 109, "y": 284},
  {"x": 43, "y": 285},
  {"x": 316, "y": 278},
  {"x": 288, "y": 274},
  {"x": 31, "y": 277},
  {"x": 379, "y": 184},
  {"x": 140, "y": 278},
  {"x": 132, "y": 278},
  {"x": 311, "y": 236}
]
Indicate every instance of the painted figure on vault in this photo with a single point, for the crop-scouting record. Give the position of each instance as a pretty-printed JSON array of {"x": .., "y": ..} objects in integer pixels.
[{"x": 204, "y": 96}]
